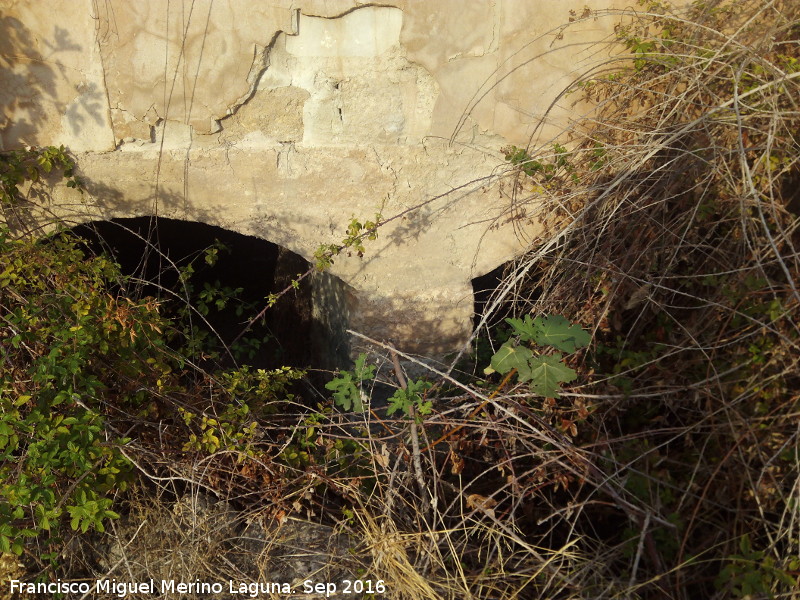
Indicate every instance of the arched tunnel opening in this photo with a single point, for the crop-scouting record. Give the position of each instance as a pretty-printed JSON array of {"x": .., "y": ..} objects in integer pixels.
[
  {"x": 486, "y": 290},
  {"x": 215, "y": 284}
]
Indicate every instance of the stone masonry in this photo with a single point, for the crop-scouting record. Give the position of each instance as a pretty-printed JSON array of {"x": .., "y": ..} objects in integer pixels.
[{"x": 284, "y": 119}]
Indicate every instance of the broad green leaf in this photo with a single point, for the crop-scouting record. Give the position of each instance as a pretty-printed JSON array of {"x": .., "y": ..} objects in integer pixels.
[
  {"x": 556, "y": 331},
  {"x": 510, "y": 357},
  {"x": 547, "y": 373},
  {"x": 345, "y": 392},
  {"x": 398, "y": 402},
  {"x": 416, "y": 387},
  {"x": 525, "y": 328},
  {"x": 404, "y": 399}
]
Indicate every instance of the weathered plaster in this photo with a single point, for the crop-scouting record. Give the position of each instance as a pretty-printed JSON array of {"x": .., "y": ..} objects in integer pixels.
[
  {"x": 285, "y": 119},
  {"x": 52, "y": 89}
]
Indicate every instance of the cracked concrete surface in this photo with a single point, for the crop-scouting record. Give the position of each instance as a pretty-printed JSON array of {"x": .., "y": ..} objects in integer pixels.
[{"x": 285, "y": 119}]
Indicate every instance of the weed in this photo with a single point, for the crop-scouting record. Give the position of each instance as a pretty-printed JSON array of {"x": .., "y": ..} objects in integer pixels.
[
  {"x": 347, "y": 386},
  {"x": 544, "y": 372}
]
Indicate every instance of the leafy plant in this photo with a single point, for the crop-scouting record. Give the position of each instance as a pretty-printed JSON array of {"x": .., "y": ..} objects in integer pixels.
[
  {"x": 357, "y": 232},
  {"x": 545, "y": 372},
  {"x": 66, "y": 346},
  {"x": 752, "y": 572},
  {"x": 346, "y": 386},
  {"x": 260, "y": 388},
  {"x": 411, "y": 397},
  {"x": 558, "y": 164},
  {"x": 193, "y": 337},
  {"x": 337, "y": 455},
  {"x": 233, "y": 429},
  {"x": 18, "y": 167}
]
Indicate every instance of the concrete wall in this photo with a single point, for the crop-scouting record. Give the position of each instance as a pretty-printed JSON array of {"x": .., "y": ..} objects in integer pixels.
[{"x": 285, "y": 119}]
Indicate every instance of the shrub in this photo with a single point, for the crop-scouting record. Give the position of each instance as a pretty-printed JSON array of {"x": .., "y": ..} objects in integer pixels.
[
  {"x": 679, "y": 245},
  {"x": 68, "y": 350}
]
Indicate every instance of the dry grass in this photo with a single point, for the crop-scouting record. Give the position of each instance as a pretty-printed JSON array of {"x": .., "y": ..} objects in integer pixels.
[
  {"x": 670, "y": 470},
  {"x": 675, "y": 242}
]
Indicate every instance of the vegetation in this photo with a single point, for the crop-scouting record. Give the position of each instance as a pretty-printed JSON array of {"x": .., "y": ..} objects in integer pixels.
[
  {"x": 676, "y": 242},
  {"x": 627, "y": 428},
  {"x": 90, "y": 384}
]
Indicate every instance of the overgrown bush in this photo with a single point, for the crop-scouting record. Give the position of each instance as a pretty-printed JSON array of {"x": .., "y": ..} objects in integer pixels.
[
  {"x": 68, "y": 350},
  {"x": 676, "y": 242},
  {"x": 93, "y": 395},
  {"x": 658, "y": 461}
]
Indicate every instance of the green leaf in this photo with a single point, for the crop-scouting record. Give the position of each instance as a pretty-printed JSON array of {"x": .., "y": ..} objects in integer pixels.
[
  {"x": 363, "y": 371},
  {"x": 556, "y": 331},
  {"x": 744, "y": 544},
  {"x": 398, "y": 402},
  {"x": 525, "y": 328},
  {"x": 345, "y": 392},
  {"x": 417, "y": 386},
  {"x": 547, "y": 372},
  {"x": 404, "y": 399},
  {"x": 510, "y": 357},
  {"x": 424, "y": 408}
]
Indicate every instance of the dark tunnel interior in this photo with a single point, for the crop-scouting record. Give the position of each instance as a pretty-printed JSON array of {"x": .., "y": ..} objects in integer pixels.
[{"x": 227, "y": 280}]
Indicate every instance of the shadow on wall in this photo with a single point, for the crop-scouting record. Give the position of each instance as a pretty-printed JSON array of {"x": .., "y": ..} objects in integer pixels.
[
  {"x": 229, "y": 278},
  {"x": 34, "y": 81},
  {"x": 424, "y": 322},
  {"x": 334, "y": 303}
]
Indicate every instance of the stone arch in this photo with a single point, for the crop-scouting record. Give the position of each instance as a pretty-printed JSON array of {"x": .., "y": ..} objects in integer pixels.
[
  {"x": 286, "y": 121},
  {"x": 304, "y": 328}
]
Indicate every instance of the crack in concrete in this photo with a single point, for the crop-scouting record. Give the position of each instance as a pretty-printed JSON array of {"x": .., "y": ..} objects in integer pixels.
[
  {"x": 494, "y": 45},
  {"x": 259, "y": 66},
  {"x": 387, "y": 166},
  {"x": 351, "y": 10},
  {"x": 282, "y": 162}
]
